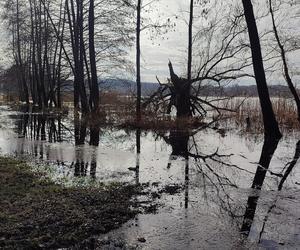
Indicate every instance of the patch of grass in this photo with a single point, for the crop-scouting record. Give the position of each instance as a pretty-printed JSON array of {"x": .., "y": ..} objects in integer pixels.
[{"x": 36, "y": 213}]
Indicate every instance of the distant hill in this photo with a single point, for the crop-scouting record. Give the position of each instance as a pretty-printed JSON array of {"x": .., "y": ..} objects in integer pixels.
[
  {"x": 127, "y": 86},
  {"x": 274, "y": 90},
  {"x": 247, "y": 90},
  {"x": 124, "y": 86}
]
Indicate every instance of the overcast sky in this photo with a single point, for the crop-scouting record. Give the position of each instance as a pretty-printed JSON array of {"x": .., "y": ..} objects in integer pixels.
[{"x": 172, "y": 45}]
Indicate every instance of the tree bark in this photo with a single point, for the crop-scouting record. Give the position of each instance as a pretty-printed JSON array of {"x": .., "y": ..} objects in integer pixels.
[
  {"x": 83, "y": 96},
  {"x": 94, "y": 80}
]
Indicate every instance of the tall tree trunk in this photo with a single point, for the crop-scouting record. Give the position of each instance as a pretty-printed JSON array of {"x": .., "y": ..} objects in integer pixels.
[
  {"x": 74, "y": 43},
  {"x": 284, "y": 61},
  {"x": 33, "y": 54},
  {"x": 58, "y": 71},
  {"x": 138, "y": 61},
  {"x": 94, "y": 82},
  {"x": 25, "y": 93},
  {"x": 271, "y": 128},
  {"x": 83, "y": 96}
]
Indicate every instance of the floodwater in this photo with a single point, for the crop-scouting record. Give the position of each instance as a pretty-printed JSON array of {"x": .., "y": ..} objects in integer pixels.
[{"x": 225, "y": 200}]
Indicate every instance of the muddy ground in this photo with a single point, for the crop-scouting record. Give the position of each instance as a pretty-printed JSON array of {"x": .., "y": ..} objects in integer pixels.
[{"x": 36, "y": 213}]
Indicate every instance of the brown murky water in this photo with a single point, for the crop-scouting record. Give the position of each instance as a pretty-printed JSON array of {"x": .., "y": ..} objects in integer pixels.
[{"x": 216, "y": 207}]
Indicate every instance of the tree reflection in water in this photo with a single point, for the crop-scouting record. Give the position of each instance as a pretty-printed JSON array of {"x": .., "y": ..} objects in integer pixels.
[
  {"x": 81, "y": 132},
  {"x": 268, "y": 150},
  {"x": 214, "y": 168},
  {"x": 269, "y": 147},
  {"x": 39, "y": 126},
  {"x": 184, "y": 145}
]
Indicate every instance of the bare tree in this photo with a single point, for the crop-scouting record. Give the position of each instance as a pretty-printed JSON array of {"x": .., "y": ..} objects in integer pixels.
[
  {"x": 47, "y": 55},
  {"x": 284, "y": 61},
  {"x": 220, "y": 56},
  {"x": 270, "y": 124}
]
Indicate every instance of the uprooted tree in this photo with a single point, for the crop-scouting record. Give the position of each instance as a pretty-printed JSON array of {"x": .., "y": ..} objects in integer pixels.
[{"x": 222, "y": 55}]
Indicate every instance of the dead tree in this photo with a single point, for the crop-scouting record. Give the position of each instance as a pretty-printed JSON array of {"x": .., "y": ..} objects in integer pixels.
[
  {"x": 184, "y": 92},
  {"x": 181, "y": 89},
  {"x": 180, "y": 94}
]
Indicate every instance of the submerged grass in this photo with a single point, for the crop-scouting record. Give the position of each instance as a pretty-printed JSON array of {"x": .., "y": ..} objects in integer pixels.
[{"x": 36, "y": 213}]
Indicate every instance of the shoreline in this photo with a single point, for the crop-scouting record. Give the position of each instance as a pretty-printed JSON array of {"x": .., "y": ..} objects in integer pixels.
[{"x": 36, "y": 213}]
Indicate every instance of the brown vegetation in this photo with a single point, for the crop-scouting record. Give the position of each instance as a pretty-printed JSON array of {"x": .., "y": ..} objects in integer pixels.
[{"x": 284, "y": 109}]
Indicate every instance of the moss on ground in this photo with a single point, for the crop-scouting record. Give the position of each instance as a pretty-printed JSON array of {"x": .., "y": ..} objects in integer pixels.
[{"x": 36, "y": 213}]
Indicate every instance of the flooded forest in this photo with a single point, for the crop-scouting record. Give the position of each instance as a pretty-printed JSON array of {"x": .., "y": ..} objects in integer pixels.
[{"x": 149, "y": 124}]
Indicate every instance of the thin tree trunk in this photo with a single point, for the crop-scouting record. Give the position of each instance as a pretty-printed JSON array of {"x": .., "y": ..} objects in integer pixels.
[
  {"x": 89, "y": 80},
  {"x": 94, "y": 82},
  {"x": 33, "y": 54},
  {"x": 190, "y": 41},
  {"x": 74, "y": 43},
  {"x": 138, "y": 61},
  {"x": 83, "y": 96},
  {"x": 20, "y": 61},
  {"x": 284, "y": 61}
]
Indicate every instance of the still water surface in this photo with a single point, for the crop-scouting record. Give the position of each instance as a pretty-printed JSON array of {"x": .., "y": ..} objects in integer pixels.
[{"x": 216, "y": 207}]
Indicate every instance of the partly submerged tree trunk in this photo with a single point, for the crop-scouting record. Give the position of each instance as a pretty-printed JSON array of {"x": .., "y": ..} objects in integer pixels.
[
  {"x": 284, "y": 61},
  {"x": 271, "y": 128},
  {"x": 94, "y": 135}
]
